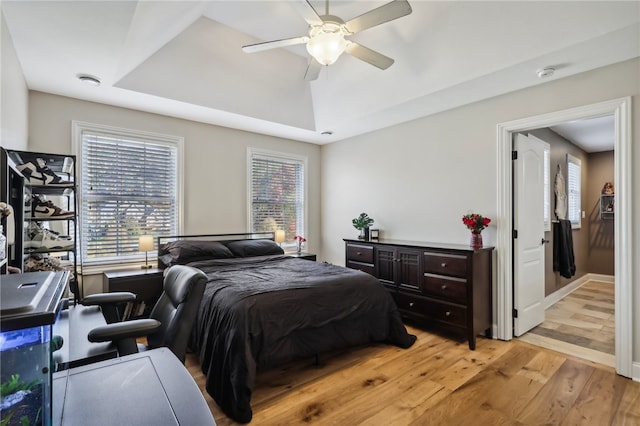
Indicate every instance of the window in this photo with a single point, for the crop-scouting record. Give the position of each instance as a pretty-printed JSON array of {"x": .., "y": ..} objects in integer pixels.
[
  {"x": 573, "y": 191},
  {"x": 277, "y": 193},
  {"x": 129, "y": 184},
  {"x": 547, "y": 189}
]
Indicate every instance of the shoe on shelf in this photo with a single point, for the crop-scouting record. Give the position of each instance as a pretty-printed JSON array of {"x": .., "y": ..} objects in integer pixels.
[
  {"x": 43, "y": 262},
  {"x": 67, "y": 165},
  {"x": 40, "y": 174},
  {"x": 39, "y": 238},
  {"x": 45, "y": 209}
]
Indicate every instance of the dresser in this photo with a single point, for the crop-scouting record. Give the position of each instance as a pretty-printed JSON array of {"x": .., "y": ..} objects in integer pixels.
[{"x": 442, "y": 285}]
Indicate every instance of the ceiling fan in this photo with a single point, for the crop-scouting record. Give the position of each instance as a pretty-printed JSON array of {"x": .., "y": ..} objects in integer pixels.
[{"x": 326, "y": 40}]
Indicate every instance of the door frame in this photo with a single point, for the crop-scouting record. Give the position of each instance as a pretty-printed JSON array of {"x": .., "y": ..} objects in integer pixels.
[{"x": 621, "y": 110}]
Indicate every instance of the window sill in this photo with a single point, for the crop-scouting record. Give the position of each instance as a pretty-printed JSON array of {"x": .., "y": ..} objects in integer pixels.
[{"x": 106, "y": 267}]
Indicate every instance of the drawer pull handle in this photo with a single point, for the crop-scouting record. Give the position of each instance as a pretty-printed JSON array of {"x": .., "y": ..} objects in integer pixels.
[
  {"x": 447, "y": 314},
  {"x": 444, "y": 287},
  {"x": 443, "y": 264},
  {"x": 411, "y": 304}
]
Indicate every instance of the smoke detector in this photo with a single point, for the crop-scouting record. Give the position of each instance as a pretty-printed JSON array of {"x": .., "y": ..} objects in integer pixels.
[{"x": 545, "y": 72}]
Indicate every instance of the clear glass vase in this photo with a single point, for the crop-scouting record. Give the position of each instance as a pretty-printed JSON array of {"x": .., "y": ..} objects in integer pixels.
[{"x": 476, "y": 240}]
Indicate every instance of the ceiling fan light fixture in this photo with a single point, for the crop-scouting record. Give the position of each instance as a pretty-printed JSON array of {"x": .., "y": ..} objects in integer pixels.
[{"x": 326, "y": 46}]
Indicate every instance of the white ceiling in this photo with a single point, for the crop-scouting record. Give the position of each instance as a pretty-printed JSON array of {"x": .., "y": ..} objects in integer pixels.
[
  {"x": 184, "y": 59},
  {"x": 592, "y": 135}
]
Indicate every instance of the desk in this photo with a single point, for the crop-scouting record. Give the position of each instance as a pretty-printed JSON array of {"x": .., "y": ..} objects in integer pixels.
[
  {"x": 74, "y": 325},
  {"x": 147, "y": 388}
]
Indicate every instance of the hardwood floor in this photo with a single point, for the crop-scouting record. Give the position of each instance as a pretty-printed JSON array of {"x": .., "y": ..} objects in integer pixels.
[
  {"x": 439, "y": 381},
  {"x": 582, "y": 324}
]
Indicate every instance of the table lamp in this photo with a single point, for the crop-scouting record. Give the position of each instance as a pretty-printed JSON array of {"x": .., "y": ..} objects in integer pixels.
[
  {"x": 145, "y": 244},
  {"x": 280, "y": 237}
]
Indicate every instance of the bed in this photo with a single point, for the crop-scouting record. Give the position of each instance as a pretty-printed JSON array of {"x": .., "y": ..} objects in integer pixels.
[{"x": 262, "y": 308}]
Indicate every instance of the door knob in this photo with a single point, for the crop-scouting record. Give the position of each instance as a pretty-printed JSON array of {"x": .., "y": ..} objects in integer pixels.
[{"x": 543, "y": 241}]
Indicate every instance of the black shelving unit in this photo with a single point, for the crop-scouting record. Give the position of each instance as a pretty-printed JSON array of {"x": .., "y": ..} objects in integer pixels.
[
  {"x": 12, "y": 192},
  {"x": 49, "y": 178}
]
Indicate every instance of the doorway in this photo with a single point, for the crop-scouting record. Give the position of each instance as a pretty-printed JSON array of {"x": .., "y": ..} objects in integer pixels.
[
  {"x": 621, "y": 109},
  {"x": 578, "y": 311}
]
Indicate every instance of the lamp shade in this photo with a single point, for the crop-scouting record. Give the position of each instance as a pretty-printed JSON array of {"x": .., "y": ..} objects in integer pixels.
[
  {"x": 145, "y": 243},
  {"x": 280, "y": 236},
  {"x": 326, "y": 47}
]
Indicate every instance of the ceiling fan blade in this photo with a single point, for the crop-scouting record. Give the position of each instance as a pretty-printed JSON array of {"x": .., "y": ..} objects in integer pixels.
[
  {"x": 369, "y": 56},
  {"x": 313, "y": 70},
  {"x": 307, "y": 12},
  {"x": 380, "y": 15},
  {"x": 259, "y": 47}
]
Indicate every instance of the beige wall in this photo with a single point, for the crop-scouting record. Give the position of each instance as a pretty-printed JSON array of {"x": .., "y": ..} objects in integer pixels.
[
  {"x": 215, "y": 170},
  {"x": 601, "y": 238},
  {"x": 13, "y": 95}
]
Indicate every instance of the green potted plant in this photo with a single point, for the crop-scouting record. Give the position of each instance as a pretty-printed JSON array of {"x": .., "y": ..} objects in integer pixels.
[{"x": 362, "y": 224}]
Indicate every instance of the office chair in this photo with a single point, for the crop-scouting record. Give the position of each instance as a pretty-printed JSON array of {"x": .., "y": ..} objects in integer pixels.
[{"x": 170, "y": 321}]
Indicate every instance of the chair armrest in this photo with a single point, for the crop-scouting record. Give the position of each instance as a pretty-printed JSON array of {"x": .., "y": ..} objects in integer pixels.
[
  {"x": 124, "y": 330},
  {"x": 108, "y": 298}
]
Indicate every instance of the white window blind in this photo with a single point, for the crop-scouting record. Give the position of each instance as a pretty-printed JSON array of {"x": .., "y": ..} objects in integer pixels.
[
  {"x": 129, "y": 186},
  {"x": 573, "y": 190},
  {"x": 277, "y": 193},
  {"x": 547, "y": 190}
]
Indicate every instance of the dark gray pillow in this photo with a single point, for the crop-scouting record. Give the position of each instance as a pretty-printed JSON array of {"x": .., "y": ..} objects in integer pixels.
[
  {"x": 246, "y": 248},
  {"x": 184, "y": 251}
]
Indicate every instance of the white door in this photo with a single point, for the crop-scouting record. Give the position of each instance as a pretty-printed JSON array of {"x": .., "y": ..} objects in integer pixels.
[{"x": 528, "y": 220}]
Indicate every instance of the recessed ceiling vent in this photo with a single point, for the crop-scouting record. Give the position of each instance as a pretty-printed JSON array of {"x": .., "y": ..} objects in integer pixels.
[{"x": 89, "y": 79}]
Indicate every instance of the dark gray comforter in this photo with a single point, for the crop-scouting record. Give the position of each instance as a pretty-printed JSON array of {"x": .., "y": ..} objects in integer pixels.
[{"x": 264, "y": 311}]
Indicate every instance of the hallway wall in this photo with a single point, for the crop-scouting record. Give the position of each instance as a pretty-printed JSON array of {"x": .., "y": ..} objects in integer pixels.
[{"x": 601, "y": 250}]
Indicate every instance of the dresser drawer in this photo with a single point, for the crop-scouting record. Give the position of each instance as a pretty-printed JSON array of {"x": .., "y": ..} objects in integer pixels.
[
  {"x": 412, "y": 304},
  {"x": 445, "y": 264},
  {"x": 450, "y": 288},
  {"x": 441, "y": 312},
  {"x": 364, "y": 267},
  {"x": 360, "y": 253}
]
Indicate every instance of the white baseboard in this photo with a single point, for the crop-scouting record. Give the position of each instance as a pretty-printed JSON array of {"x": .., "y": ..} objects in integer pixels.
[
  {"x": 602, "y": 278},
  {"x": 635, "y": 371}
]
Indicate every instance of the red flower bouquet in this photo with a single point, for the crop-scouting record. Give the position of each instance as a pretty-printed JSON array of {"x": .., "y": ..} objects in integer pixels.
[{"x": 475, "y": 222}]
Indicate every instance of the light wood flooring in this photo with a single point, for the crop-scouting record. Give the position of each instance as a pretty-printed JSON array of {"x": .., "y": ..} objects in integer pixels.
[
  {"x": 581, "y": 324},
  {"x": 439, "y": 381}
]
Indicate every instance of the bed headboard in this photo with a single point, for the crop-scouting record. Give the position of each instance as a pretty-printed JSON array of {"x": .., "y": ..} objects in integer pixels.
[{"x": 222, "y": 238}]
